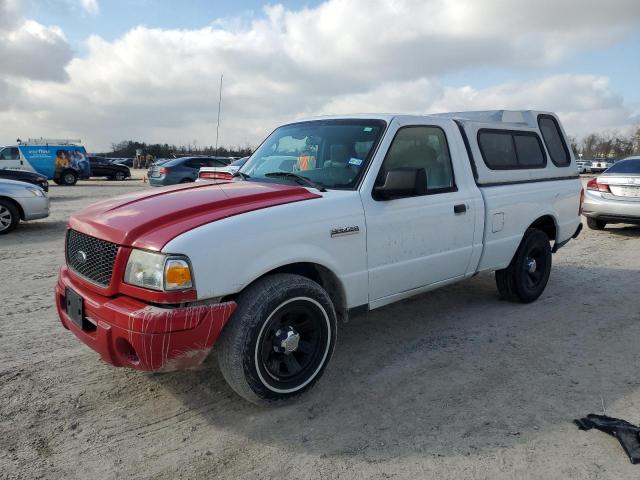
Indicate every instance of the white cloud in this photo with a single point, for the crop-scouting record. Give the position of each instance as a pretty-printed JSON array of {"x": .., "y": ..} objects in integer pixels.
[
  {"x": 90, "y": 6},
  {"x": 30, "y": 49},
  {"x": 342, "y": 56}
]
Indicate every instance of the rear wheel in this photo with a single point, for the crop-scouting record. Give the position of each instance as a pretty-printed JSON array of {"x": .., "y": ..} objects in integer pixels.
[
  {"x": 69, "y": 177},
  {"x": 527, "y": 275},
  {"x": 279, "y": 340},
  {"x": 595, "y": 224},
  {"x": 9, "y": 216}
]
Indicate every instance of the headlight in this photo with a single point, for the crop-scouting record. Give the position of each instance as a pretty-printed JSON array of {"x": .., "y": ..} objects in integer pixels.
[
  {"x": 36, "y": 192},
  {"x": 158, "y": 271}
]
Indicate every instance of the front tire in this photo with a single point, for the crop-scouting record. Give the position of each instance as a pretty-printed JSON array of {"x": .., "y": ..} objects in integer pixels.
[
  {"x": 9, "y": 217},
  {"x": 595, "y": 224},
  {"x": 279, "y": 340},
  {"x": 527, "y": 275},
  {"x": 119, "y": 176}
]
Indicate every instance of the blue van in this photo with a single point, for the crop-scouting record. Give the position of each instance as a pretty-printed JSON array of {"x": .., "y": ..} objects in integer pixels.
[{"x": 62, "y": 161}]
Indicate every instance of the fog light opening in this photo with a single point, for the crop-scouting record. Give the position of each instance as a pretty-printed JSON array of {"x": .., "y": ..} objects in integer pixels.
[{"x": 126, "y": 351}]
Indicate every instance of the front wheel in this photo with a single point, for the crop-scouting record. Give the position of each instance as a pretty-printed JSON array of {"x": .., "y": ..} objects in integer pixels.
[
  {"x": 9, "y": 216},
  {"x": 527, "y": 275},
  {"x": 279, "y": 340},
  {"x": 119, "y": 176}
]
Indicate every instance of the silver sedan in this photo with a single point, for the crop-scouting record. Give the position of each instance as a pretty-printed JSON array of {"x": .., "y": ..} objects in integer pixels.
[
  {"x": 614, "y": 195},
  {"x": 20, "y": 201}
]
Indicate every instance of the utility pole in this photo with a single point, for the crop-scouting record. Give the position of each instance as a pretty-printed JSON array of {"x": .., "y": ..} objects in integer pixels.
[{"x": 219, "y": 105}]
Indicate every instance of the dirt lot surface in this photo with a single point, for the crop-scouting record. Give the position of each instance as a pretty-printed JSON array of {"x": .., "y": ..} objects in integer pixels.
[{"x": 451, "y": 384}]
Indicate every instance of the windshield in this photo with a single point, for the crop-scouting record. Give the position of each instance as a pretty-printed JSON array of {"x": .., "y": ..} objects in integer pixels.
[
  {"x": 625, "y": 166},
  {"x": 330, "y": 153}
]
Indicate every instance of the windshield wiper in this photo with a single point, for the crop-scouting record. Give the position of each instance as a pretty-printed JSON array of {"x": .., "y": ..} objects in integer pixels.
[
  {"x": 240, "y": 174},
  {"x": 299, "y": 178}
]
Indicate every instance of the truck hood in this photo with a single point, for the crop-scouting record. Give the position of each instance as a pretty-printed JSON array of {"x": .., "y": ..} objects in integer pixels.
[{"x": 152, "y": 218}]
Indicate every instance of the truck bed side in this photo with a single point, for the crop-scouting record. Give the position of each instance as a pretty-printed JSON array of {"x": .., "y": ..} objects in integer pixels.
[{"x": 512, "y": 208}]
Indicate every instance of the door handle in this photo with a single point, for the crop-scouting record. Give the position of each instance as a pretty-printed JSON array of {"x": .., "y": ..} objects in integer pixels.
[{"x": 460, "y": 208}]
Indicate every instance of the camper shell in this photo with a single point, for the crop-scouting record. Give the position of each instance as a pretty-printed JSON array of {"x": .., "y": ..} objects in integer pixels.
[{"x": 474, "y": 125}]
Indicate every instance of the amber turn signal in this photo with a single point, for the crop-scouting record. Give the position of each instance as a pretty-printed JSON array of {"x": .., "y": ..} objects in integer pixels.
[{"x": 177, "y": 275}]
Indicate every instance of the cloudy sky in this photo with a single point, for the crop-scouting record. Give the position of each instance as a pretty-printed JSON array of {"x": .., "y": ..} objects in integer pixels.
[{"x": 109, "y": 70}]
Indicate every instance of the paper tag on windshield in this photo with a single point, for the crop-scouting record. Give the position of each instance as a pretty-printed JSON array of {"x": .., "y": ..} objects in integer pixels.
[{"x": 355, "y": 161}]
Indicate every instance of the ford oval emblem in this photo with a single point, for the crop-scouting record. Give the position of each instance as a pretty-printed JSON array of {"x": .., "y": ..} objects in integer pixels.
[{"x": 81, "y": 257}]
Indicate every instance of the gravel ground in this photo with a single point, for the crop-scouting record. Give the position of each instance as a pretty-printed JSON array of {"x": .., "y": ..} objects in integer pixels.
[{"x": 451, "y": 384}]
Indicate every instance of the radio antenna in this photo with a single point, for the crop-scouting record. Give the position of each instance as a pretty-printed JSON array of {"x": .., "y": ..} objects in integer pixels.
[{"x": 219, "y": 107}]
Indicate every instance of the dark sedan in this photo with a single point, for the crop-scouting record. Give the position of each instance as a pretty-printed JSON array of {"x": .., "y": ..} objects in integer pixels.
[
  {"x": 26, "y": 176},
  {"x": 181, "y": 170},
  {"x": 102, "y": 167}
]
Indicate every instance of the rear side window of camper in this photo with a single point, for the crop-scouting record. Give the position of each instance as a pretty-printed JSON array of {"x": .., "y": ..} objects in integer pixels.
[
  {"x": 554, "y": 141},
  {"x": 510, "y": 149}
]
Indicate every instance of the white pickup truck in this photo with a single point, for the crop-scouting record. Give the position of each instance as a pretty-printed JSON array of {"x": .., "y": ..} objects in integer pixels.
[{"x": 328, "y": 217}]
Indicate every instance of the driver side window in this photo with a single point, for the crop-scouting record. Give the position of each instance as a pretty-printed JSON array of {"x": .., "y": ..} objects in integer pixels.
[
  {"x": 425, "y": 148},
  {"x": 10, "y": 153}
]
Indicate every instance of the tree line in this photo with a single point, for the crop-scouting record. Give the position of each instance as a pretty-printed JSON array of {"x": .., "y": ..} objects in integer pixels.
[
  {"x": 128, "y": 148},
  {"x": 615, "y": 145}
]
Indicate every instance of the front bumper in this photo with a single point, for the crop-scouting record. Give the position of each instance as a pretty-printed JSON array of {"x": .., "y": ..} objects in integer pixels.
[
  {"x": 620, "y": 211},
  {"x": 34, "y": 207},
  {"x": 129, "y": 333}
]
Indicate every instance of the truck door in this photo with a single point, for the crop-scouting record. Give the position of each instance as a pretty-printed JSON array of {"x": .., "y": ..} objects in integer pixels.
[
  {"x": 10, "y": 158},
  {"x": 421, "y": 239}
]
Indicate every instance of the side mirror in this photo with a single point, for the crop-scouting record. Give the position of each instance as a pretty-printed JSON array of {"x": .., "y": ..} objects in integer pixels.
[{"x": 402, "y": 182}]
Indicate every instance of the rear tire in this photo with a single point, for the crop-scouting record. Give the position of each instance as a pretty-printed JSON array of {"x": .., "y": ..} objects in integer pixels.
[
  {"x": 279, "y": 339},
  {"x": 527, "y": 275},
  {"x": 69, "y": 178},
  {"x": 9, "y": 217},
  {"x": 595, "y": 224}
]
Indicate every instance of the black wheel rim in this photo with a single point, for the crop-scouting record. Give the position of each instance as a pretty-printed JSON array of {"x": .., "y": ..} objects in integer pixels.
[
  {"x": 534, "y": 267},
  {"x": 292, "y": 345}
]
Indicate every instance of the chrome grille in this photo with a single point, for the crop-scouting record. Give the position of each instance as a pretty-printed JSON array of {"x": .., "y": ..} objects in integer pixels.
[{"x": 91, "y": 257}]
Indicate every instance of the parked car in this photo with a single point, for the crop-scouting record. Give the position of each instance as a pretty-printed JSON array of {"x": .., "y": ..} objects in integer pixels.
[
  {"x": 584, "y": 166},
  {"x": 26, "y": 176},
  {"x": 614, "y": 196},
  {"x": 180, "y": 170},
  {"x": 127, "y": 162},
  {"x": 221, "y": 173},
  {"x": 20, "y": 201},
  {"x": 332, "y": 216},
  {"x": 102, "y": 167},
  {"x": 600, "y": 165}
]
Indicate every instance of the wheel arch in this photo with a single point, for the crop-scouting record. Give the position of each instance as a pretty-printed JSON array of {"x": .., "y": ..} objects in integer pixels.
[
  {"x": 320, "y": 274},
  {"x": 547, "y": 224},
  {"x": 15, "y": 204}
]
